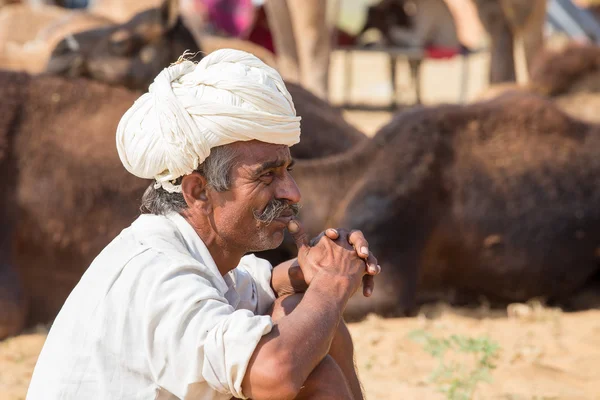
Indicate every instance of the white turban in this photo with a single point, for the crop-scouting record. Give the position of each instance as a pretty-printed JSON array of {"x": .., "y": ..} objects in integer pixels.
[{"x": 229, "y": 96}]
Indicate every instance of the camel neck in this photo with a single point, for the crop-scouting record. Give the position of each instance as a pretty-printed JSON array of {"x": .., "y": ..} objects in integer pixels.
[{"x": 325, "y": 182}]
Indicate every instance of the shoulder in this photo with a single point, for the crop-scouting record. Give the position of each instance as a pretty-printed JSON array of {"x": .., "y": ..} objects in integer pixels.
[
  {"x": 158, "y": 233},
  {"x": 164, "y": 248}
]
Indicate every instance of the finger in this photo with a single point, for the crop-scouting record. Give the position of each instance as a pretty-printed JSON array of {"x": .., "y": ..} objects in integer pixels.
[
  {"x": 332, "y": 234},
  {"x": 373, "y": 267},
  {"x": 342, "y": 239},
  {"x": 368, "y": 285},
  {"x": 360, "y": 244},
  {"x": 295, "y": 273},
  {"x": 300, "y": 237}
]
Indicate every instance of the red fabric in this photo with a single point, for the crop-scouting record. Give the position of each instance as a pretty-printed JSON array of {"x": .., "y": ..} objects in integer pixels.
[
  {"x": 262, "y": 37},
  {"x": 260, "y": 33},
  {"x": 441, "y": 52},
  {"x": 345, "y": 39}
]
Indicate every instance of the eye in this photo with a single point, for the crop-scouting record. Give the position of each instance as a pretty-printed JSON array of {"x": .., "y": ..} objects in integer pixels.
[
  {"x": 122, "y": 47},
  {"x": 121, "y": 43},
  {"x": 267, "y": 178}
]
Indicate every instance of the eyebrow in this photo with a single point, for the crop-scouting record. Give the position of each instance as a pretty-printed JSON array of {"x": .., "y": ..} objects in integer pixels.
[{"x": 273, "y": 164}]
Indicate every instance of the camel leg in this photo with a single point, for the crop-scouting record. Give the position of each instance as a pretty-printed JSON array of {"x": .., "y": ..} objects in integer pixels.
[
  {"x": 335, "y": 377},
  {"x": 415, "y": 73},
  {"x": 502, "y": 62},
  {"x": 502, "y": 68},
  {"x": 280, "y": 23},
  {"x": 313, "y": 43},
  {"x": 533, "y": 34}
]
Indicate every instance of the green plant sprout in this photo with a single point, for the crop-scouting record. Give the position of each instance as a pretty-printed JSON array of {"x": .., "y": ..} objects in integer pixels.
[{"x": 458, "y": 379}]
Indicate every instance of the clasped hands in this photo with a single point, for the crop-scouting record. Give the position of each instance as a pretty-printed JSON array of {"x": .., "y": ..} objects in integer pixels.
[{"x": 337, "y": 252}]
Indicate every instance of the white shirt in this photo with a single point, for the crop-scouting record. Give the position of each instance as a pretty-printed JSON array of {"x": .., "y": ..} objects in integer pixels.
[{"x": 152, "y": 318}]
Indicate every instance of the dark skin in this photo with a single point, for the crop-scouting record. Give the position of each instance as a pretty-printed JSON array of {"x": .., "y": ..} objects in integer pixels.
[
  {"x": 330, "y": 271},
  {"x": 288, "y": 277},
  {"x": 341, "y": 353}
]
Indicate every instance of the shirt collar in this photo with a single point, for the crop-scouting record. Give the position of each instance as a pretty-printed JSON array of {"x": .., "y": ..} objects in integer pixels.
[{"x": 198, "y": 249}]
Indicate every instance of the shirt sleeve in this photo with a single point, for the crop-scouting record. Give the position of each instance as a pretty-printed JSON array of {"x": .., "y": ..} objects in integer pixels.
[
  {"x": 194, "y": 335},
  {"x": 260, "y": 271}
]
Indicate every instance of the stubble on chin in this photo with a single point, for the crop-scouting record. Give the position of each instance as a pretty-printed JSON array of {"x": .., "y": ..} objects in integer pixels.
[{"x": 267, "y": 237}]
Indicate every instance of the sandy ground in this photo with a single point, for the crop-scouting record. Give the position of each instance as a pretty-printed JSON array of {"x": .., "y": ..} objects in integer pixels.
[{"x": 543, "y": 353}]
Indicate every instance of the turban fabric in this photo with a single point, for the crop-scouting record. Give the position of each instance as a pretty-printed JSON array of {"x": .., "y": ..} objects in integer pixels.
[{"x": 229, "y": 96}]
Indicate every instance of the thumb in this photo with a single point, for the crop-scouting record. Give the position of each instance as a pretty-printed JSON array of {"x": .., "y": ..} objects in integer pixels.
[{"x": 300, "y": 237}]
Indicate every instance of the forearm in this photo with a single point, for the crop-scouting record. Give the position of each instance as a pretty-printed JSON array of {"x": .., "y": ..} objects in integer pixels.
[
  {"x": 308, "y": 331},
  {"x": 298, "y": 341}
]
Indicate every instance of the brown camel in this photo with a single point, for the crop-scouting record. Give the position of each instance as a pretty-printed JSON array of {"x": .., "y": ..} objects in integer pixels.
[
  {"x": 65, "y": 194},
  {"x": 446, "y": 195},
  {"x": 496, "y": 199},
  {"x": 133, "y": 53}
]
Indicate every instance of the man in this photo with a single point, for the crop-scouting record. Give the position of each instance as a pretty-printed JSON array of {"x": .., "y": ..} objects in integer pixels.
[{"x": 173, "y": 307}]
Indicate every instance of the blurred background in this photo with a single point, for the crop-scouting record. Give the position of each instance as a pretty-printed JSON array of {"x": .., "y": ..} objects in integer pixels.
[{"x": 368, "y": 60}]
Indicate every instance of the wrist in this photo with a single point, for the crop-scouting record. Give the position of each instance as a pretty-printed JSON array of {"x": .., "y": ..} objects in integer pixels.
[{"x": 333, "y": 286}]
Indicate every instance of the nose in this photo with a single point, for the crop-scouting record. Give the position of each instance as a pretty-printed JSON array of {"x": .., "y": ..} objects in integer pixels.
[{"x": 288, "y": 189}]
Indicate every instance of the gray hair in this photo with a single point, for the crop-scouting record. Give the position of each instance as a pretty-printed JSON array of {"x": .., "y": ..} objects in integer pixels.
[{"x": 217, "y": 171}]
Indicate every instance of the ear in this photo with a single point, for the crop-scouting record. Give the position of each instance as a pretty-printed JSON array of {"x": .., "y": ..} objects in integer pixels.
[
  {"x": 169, "y": 13},
  {"x": 194, "y": 189}
]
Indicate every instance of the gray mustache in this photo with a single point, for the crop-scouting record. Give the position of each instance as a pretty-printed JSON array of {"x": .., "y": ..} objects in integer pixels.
[{"x": 275, "y": 209}]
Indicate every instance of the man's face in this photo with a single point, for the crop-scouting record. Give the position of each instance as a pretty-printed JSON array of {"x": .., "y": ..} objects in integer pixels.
[{"x": 254, "y": 213}]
